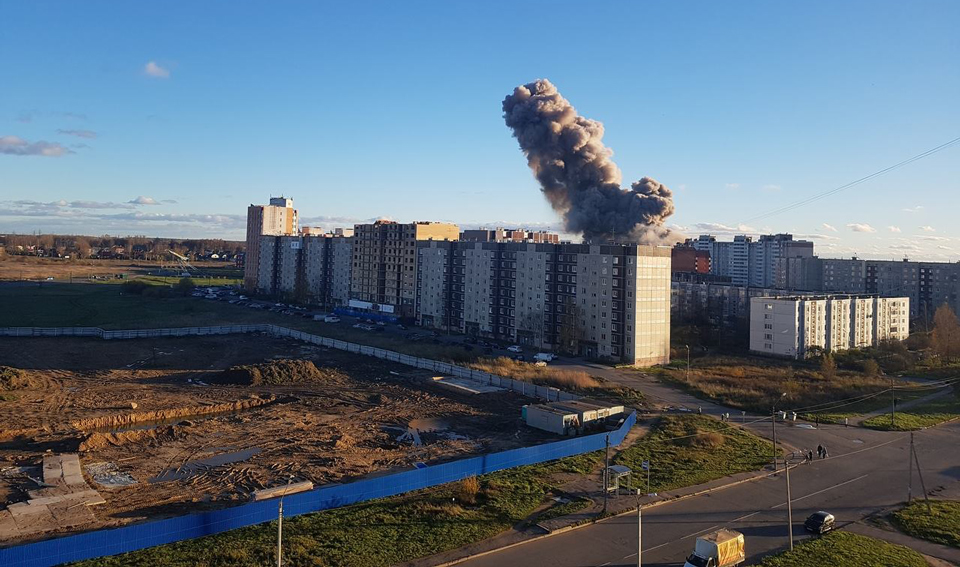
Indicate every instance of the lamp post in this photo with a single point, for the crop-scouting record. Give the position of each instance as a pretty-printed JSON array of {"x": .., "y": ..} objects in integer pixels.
[
  {"x": 688, "y": 363},
  {"x": 280, "y": 525}
]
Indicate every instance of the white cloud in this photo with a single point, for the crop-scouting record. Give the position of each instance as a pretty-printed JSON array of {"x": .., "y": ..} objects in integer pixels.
[
  {"x": 152, "y": 69},
  {"x": 858, "y": 227},
  {"x": 16, "y": 146},
  {"x": 79, "y": 133},
  {"x": 830, "y": 227},
  {"x": 141, "y": 200},
  {"x": 732, "y": 185},
  {"x": 771, "y": 187},
  {"x": 933, "y": 238},
  {"x": 719, "y": 228},
  {"x": 892, "y": 228},
  {"x": 916, "y": 209},
  {"x": 928, "y": 229}
]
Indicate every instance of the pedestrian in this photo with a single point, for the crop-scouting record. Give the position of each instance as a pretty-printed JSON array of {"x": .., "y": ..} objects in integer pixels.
[
  {"x": 699, "y": 410},
  {"x": 810, "y": 456},
  {"x": 846, "y": 422},
  {"x": 820, "y": 451},
  {"x": 723, "y": 417},
  {"x": 825, "y": 455}
]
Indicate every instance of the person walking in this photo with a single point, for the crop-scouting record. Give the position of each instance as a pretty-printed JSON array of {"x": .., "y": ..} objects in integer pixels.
[
  {"x": 846, "y": 422},
  {"x": 820, "y": 451},
  {"x": 825, "y": 455},
  {"x": 810, "y": 456}
]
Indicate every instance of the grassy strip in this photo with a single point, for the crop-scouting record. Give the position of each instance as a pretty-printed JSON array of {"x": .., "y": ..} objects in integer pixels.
[
  {"x": 943, "y": 526},
  {"x": 754, "y": 384},
  {"x": 377, "y": 533},
  {"x": 91, "y": 305},
  {"x": 867, "y": 406},
  {"x": 845, "y": 549},
  {"x": 919, "y": 417},
  {"x": 557, "y": 377},
  {"x": 707, "y": 449}
]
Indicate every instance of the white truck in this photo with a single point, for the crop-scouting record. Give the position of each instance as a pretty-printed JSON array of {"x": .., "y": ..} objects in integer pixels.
[{"x": 722, "y": 548}]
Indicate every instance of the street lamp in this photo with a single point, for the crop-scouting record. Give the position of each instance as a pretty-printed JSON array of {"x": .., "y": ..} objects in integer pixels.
[
  {"x": 773, "y": 416},
  {"x": 688, "y": 363}
]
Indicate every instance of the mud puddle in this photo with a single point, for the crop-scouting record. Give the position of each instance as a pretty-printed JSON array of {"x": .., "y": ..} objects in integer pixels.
[{"x": 191, "y": 468}]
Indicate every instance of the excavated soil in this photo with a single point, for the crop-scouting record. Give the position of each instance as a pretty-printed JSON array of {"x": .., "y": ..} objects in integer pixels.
[{"x": 201, "y": 422}]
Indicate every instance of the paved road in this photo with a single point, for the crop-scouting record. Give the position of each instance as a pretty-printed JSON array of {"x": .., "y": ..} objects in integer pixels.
[{"x": 865, "y": 473}]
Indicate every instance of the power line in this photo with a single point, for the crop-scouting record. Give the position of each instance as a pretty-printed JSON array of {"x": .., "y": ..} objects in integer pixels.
[{"x": 846, "y": 186}]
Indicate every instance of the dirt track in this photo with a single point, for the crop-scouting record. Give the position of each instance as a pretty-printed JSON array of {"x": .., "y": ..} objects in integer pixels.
[{"x": 188, "y": 429}]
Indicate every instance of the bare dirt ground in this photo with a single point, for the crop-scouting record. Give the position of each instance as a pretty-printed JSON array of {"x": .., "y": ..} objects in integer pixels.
[{"x": 192, "y": 444}]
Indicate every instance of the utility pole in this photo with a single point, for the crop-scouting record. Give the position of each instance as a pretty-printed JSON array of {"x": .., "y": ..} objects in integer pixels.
[
  {"x": 893, "y": 404},
  {"x": 786, "y": 468},
  {"x": 910, "y": 474},
  {"x": 639, "y": 532},
  {"x": 922, "y": 485},
  {"x": 280, "y": 535},
  {"x": 688, "y": 363},
  {"x": 606, "y": 471},
  {"x": 773, "y": 421}
]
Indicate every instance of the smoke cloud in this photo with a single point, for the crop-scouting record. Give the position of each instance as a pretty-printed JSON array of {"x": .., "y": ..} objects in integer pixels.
[{"x": 576, "y": 172}]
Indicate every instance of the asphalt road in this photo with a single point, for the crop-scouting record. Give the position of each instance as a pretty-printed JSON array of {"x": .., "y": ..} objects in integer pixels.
[{"x": 866, "y": 472}]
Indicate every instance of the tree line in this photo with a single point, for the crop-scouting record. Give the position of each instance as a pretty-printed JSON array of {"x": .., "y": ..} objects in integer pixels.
[{"x": 126, "y": 247}]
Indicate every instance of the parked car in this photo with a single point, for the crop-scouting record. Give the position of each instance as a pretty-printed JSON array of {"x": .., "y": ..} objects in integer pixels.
[
  {"x": 544, "y": 356},
  {"x": 820, "y": 522},
  {"x": 515, "y": 348}
]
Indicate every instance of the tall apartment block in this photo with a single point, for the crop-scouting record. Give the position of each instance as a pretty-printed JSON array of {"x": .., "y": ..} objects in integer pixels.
[
  {"x": 384, "y": 278},
  {"x": 604, "y": 301},
  {"x": 279, "y": 218},
  {"x": 928, "y": 285},
  {"x": 313, "y": 269},
  {"x": 792, "y": 326},
  {"x": 750, "y": 262}
]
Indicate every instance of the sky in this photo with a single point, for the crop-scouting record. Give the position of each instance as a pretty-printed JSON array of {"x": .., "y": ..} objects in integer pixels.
[{"x": 169, "y": 118}]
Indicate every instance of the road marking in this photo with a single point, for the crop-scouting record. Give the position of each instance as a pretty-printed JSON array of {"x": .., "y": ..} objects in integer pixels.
[{"x": 822, "y": 491}]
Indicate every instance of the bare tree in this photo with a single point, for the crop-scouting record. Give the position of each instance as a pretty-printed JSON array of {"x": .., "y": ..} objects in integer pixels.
[
  {"x": 946, "y": 333},
  {"x": 571, "y": 326}
]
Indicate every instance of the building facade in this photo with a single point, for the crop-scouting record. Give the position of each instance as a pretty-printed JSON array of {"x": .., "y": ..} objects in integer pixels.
[
  {"x": 310, "y": 269},
  {"x": 279, "y": 218},
  {"x": 384, "y": 277},
  {"x": 689, "y": 259},
  {"x": 510, "y": 235},
  {"x": 603, "y": 301},
  {"x": 796, "y": 326},
  {"x": 749, "y": 262}
]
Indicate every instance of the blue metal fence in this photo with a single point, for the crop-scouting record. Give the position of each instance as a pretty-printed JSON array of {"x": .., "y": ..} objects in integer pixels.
[{"x": 139, "y": 536}]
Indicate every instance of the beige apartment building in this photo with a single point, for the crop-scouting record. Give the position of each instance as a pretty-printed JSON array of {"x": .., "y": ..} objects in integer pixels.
[
  {"x": 602, "y": 301},
  {"x": 384, "y": 277},
  {"x": 279, "y": 218},
  {"x": 792, "y": 326}
]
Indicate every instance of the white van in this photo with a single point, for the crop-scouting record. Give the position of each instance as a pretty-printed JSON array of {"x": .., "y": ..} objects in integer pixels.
[{"x": 544, "y": 357}]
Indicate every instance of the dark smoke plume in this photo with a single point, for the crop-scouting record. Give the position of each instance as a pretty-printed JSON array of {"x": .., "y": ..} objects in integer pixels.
[{"x": 576, "y": 172}]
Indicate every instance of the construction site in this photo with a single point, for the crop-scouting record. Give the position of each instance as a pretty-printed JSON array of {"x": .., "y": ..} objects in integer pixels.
[{"x": 101, "y": 433}]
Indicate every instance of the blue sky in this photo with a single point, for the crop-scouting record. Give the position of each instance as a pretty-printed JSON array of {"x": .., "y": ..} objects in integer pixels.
[{"x": 361, "y": 110}]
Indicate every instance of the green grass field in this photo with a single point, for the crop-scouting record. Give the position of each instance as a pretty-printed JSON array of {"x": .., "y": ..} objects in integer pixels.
[
  {"x": 94, "y": 305},
  {"x": 943, "y": 526},
  {"x": 378, "y": 533},
  {"x": 922, "y": 416},
  {"x": 844, "y": 549},
  {"x": 708, "y": 449}
]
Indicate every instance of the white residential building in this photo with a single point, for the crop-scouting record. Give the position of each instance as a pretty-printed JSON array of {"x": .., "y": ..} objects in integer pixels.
[{"x": 791, "y": 326}]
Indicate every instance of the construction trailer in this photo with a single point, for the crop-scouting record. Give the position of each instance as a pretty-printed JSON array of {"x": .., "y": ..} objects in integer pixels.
[{"x": 570, "y": 417}]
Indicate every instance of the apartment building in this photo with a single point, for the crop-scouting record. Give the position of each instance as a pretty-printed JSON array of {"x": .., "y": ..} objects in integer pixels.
[
  {"x": 384, "y": 277},
  {"x": 793, "y": 326},
  {"x": 750, "y": 262},
  {"x": 604, "y": 301},
  {"x": 928, "y": 285},
  {"x": 510, "y": 235},
  {"x": 689, "y": 259},
  {"x": 715, "y": 299},
  {"x": 278, "y": 218},
  {"x": 313, "y": 269}
]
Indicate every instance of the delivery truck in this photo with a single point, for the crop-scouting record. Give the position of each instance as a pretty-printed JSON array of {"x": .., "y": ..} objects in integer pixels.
[{"x": 722, "y": 548}]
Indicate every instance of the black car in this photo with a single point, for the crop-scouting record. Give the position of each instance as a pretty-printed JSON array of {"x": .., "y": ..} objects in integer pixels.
[{"x": 820, "y": 522}]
